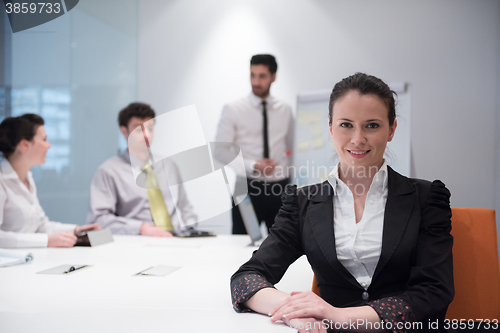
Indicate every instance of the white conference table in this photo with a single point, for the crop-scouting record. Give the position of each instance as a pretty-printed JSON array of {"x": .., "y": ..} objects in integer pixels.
[{"x": 107, "y": 297}]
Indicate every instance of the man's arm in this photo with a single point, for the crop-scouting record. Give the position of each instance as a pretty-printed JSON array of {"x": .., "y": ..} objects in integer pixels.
[{"x": 102, "y": 207}]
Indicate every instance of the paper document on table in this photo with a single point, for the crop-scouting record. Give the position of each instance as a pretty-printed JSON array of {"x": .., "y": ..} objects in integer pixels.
[
  {"x": 65, "y": 269},
  {"x": 14, "y": 257},
  {"x": 160, "y": 270}
]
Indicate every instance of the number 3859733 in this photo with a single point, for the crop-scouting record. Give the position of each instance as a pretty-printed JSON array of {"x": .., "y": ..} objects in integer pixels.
[
  {"x": 40, "y": 7},
  {"x": 471, "y": 324}
]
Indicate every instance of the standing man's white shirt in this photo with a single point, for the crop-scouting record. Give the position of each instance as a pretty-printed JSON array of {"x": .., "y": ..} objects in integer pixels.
[
  {"x": 23, "y": 222},
  {"x": 241, "y": 123}
]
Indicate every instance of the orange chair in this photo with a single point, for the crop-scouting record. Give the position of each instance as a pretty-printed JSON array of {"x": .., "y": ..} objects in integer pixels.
[
  {"x": 475, "y": 265},
  {"x": 315, "y": 288}
]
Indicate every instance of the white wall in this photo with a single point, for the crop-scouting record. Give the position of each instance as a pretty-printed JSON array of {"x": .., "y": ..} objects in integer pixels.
[{"x": 195, "y": 51}]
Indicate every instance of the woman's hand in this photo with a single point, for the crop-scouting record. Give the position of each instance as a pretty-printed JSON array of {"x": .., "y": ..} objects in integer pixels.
[
  {"x": 86, "y": 227},
  {"x": 307, "y": 325},
  {"x": 61, "y": 239},
  {"x": 302, "y": 305},
  {"x": 307, "y": 306}
]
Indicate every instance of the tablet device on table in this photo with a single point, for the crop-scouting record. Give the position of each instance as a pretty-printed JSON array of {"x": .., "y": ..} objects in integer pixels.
[{"x": 193, "y": 233}]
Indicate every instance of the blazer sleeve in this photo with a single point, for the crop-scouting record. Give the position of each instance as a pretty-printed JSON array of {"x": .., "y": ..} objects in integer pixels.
[
  {"x": 430, "y": 288},
  {"x": 269, "y": 263}
]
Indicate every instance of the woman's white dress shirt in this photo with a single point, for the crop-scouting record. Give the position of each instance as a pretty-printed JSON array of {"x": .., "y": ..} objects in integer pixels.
[
  {"x": 23, "y": 222},
  {"x": 359, "y": 244}
]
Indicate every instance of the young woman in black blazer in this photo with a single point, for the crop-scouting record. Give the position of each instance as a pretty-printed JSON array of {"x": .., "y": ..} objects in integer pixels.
[{"x": 395, "y": 271}]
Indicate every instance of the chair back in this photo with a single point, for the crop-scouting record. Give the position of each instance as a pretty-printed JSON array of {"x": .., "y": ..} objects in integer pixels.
[
  {"x": 315, "y": 288},
  {"x": 475, "y": 265}
]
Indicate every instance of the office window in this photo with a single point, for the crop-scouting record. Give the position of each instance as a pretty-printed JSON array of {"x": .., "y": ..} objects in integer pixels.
[{"x": 53, "y": 105}]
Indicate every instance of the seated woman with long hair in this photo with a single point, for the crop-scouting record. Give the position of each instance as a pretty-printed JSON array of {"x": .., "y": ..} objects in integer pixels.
[
  {"x": 378, "y": 242},
  {"x": 23, "y": 222}
]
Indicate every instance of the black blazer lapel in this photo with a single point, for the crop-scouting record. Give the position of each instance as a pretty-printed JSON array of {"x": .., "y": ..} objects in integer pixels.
[
  {"x": 398, "y": 208},
  {"x": 320, "y": 217}
]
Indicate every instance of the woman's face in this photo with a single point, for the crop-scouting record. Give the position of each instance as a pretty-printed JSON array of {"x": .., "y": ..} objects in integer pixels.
[
  {"x": 360, "y": 130},
  {"x": 38, "y": 146}
]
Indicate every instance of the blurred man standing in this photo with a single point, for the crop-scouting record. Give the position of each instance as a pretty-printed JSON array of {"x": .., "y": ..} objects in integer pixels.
[{"x": 262, "y": 126}]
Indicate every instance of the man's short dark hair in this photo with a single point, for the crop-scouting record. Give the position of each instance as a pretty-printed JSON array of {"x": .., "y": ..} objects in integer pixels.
[
  {"x": 266, "y": 60},
  {"x": 139, "y": 110}
]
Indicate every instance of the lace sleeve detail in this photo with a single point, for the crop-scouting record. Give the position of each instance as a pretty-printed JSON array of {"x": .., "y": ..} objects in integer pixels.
[
  {"x": 395, "y": 311},
  {"x": 244, "y": 287}
]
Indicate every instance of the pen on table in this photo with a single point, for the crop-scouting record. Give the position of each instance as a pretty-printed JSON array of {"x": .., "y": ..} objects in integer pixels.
[
  {"x": 72, "y": 269},
  {"x": 143, "y": 272}
]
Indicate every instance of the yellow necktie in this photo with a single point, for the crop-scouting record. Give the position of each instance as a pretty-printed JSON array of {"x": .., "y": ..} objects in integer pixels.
[{"x": 157, "y": 205}]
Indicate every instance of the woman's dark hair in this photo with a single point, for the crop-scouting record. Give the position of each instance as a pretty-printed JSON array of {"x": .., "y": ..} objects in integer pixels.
[
  {"x": 139, "y": 110},
  {"x": 15, "y": 129},
  {"x": 365, "y": 85}
]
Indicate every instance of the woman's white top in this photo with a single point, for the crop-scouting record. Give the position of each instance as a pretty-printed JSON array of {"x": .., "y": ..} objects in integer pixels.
[
  {"x": 359, "y": 244},
  {"x": 23, "y": 222}
]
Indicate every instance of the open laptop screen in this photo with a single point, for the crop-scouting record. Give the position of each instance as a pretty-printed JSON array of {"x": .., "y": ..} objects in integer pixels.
[{"x": 249, "y": 218}]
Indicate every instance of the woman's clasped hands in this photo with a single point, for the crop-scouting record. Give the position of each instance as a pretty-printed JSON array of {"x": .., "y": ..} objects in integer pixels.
[{"x": 305, "y": 311}]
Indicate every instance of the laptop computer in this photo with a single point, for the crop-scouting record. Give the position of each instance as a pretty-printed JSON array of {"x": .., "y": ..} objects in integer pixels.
[{"x": 250, "y": 220}]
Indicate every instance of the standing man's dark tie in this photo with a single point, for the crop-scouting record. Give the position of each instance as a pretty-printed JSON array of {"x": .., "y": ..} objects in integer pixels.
[{"x": 264, "y": 130}]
